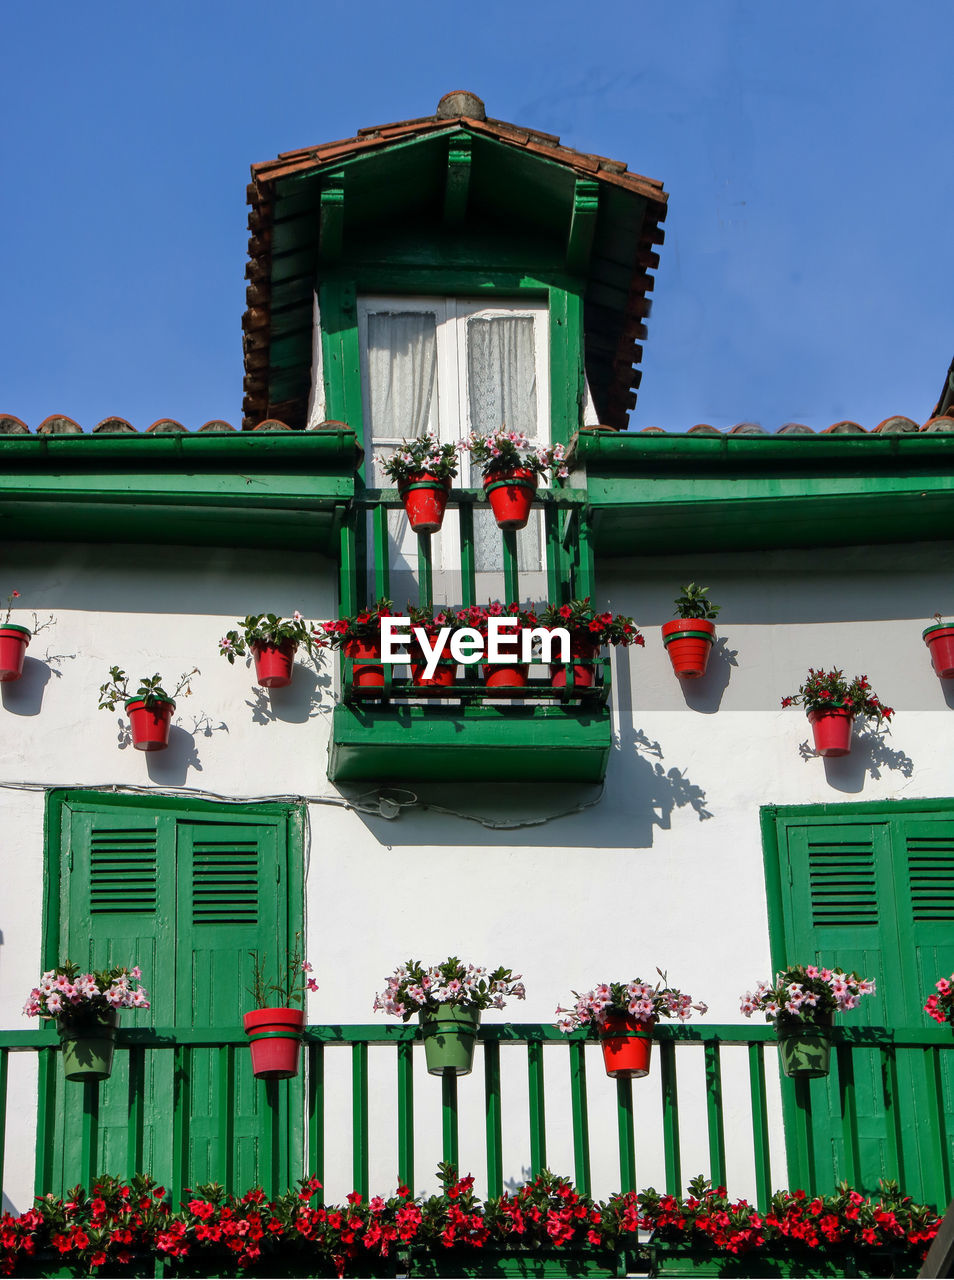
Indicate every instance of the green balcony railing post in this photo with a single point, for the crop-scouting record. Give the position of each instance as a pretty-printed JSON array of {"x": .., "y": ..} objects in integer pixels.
[
  {"x": 405, "y": 1069},
  {"x": 494, "y": 1118},
  {"x": 627, "y": 1135},
  {"x": 468, "y": 559},
  {"x": 425, "y": 575},
  {"x": 135, "y": 1124},
  {"x": 893, "y": 1127},
  {"x": 316, "y": 1113},
  {"x": 844, "y": 1060},
  {"x": 4, "y": 1054},
  {"x": 89, "y": 1132},
  {"x": 510, "y": 567},
  {"x": 449, "y": 1125},
  {"x": 803, "y": 1139},
  {"x": 382, "y": 565},
  {"x": 359, "y": 1104},
  {"x": 581, "y": 1128},
  {"x": 937, "y": 1153},
  {"x": 181, "y": 1102},
  {"x": 538, "y": 1120},
  {"x": 225, "y": 1149},
  {"x": 760, "y": 1130},
  {"x": 670, "y": 1117},
  {"x": 715, "y": 1120}
]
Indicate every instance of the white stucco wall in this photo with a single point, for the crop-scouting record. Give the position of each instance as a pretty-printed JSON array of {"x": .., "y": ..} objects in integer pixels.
[{"x": 664, "y": 867}]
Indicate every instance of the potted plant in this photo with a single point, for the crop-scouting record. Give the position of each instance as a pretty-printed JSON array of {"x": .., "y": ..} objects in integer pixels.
[
  {"x": 589, "y": 631},
  {"x": 359, "y": 636},
  {"x": 86, "y": 1009},
  {"x": 802, "y": 1002},
  {"x": 272, "y": 642},
  {"x": 832, "y": 702},
  {"x": 14, "y": 639},
  {"x": 940, "y": 1007},
  {"x": 499, "y": 675},
  {"x": 689, "y": 637},
  {"x": 511, "y": 465},
  {"x": 448, "y": 999},
  {"x": 423, "y": 470},
  {"x": 623, "y": 1015},
  {"x": 939, "y": 638},
  {"x": 275, "y": 1025},
  {"x": 431, "y": 622},
  {"x": 149, "y": 709}
]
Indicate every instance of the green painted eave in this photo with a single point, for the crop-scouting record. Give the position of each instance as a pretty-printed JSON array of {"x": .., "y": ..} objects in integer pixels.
[
  {"x": 477, "y": 744},
  {"x": 268, "y": 490},
  {"x": 658, "y": 494}
]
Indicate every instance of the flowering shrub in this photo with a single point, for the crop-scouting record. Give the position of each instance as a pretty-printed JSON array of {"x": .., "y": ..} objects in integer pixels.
[
  {"x": 826, "y": 690},
  {"x": 601, "y": 628},
  {"x": 806, "y": 994},
  {"x": 422, "y": 454},
  {"x": 505, "y": 450},
  {"x": 267, "y": 628},
  {"x": 941, "y": 1006},
  {"x": 636, "y": 999},
  {"x": 363, "y": 625},
  {"x": 412, "y": 988},
  {"x": 431, "y": 623},
  {"x": 695, "y": 603},
  {"x": 66, "y": 993},
  {"x": 475, "y": 616},
  {"x": 292, "y": 979},
  {"x": 214, "y": 1233},
  {"x": 37, "y": 625},
  {"x": 148, "y": 690}
]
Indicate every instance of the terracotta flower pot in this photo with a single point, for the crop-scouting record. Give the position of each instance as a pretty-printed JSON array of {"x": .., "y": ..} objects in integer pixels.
[
  {"x": 443, "y": 677},
  {"x": 584, "y": 672},
  {"x": 627, "y": 1045},
  {"x": 449, "y": 1035},
  {"x": 149, "y": 725},
  {"x": 425, "y": 500},
  {"x": 688, "y": 642},
  {"x": 274, "y": 663},
  {"x": 498, "y": 675},
  {"x": 510, "y": 494},
  {"x": 939, "y": 640},
  {"x": 832, "y": 730},
  {"x": 13, "y": 644},
  {"x": 368, "y": 669},
  {"x": 275, "y": 1041}
]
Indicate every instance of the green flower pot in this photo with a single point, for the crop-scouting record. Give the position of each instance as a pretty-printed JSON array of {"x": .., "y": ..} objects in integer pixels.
[
  {"x": 87, "y": 1046},
  {"x": 805, "y": 1051},
  {"x": 449, "y": 1038}
]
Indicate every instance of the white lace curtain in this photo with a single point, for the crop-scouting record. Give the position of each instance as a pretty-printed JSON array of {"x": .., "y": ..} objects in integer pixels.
[{"x": 402, "y": 373}]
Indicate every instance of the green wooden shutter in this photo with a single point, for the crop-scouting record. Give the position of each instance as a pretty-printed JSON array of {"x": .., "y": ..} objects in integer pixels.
[{"x": 185, "y": 892}]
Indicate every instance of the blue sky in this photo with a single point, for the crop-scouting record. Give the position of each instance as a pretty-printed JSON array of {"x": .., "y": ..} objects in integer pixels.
[{"x": 808, "y": 267}]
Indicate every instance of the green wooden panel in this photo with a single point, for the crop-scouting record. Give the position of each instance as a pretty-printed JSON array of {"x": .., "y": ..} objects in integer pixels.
[
  {"x": 186, "y": 898},
  {"x": 873, "y": 893}
]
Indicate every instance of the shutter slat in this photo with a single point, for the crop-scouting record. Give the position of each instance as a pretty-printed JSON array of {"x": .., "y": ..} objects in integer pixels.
[
  {"x": 122, "y": 874},
  {"x": 842, "y": 882},
  {"x": 225, "y": 875},
  {"x": 931, "y": 877}
]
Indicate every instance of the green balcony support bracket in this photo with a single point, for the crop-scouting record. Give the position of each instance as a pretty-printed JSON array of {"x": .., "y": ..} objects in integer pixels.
[{"x": 579, "y": 243}]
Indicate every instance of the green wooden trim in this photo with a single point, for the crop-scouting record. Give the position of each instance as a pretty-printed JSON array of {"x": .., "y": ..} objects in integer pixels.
[
  {"x": 715, "y": 1119},
  {"x": 4, "y": 1055},
  {"x": 579, "y": 241},
  {"x": 775, "y": 898},
  {"x": 316, "y": 1112},
  {"x": 405, "y": 1084},
  {"x": 450, "y": 1143},
  {"x": 670, "y": 1117},
  {"x": 457, "y": 186},
  {"x": 341, "y": 354},
  {"x": 537, "y": 1108},
  {"x": 565, "y": 364},
  {"x": 331, "y": 218},
  {"x": 359, "y": 1104},
  {"x": 581, "y": 1128},
  {"x": 844, "y": 1067},
  {"x": 626, "y": 1134},
  {"x": 760, "y": 1129},
  {"x": 494, "y": 1118},
  {"x": 510, "y": 566}
]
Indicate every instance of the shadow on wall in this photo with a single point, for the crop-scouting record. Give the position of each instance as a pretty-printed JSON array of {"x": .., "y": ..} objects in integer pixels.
[
  {"x": 640, "y": 794},
  {"x": 310, "y": 694},
  {"x": 24, "y": 697},
  {"x": 705, "y": 693},
  {"x": 869, "y": 754}
]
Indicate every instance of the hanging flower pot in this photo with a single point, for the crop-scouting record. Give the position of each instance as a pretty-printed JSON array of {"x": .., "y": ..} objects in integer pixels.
[
  {"x": 510, "y": 494},
  {"x": 832, "y": 731},
  {"x": 444, "y": 675},
  {"x": 804, "y": 1050},
  {"x": 274, "y": 663},
  {"x": 13, "y": 645},
  {"x": 450, "y": 1034},
  {"x": 149, "y": 723},
  {"x": 368, "y": 668},
  {"x": 584, "y": 671},
  {"x": 627, "y": 1044},
  {"x": 275, "y": 1041},
  {"x": 688, "y": 642},
  {"x": 499, "y": 675},
  {"x": 87, "y": 1044},
  {"x": 939, "y": 639},
  {"x": 425, "y": 500}
]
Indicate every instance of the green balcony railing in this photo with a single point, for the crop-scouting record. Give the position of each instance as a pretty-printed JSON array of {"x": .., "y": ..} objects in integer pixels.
[{"x": 828, "y": 1126}]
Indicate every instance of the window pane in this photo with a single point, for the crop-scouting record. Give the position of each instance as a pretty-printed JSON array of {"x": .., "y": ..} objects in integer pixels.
[
  {"x": 501, "y": 374},
  {"x": 402, "y": 372}
]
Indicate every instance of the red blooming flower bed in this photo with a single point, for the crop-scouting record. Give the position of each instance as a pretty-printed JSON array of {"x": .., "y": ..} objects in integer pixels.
[{"x": 122, "y": 1228}]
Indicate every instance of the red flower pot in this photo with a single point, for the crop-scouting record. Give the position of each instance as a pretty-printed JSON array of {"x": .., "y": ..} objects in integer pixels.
[
  {"x": 444, "y": 675},
  {"x": 939, "y": 640},
  {"x": 510, "y": 494},
  {"x": 627, "y": 1044},
  {"x": 13, "y": 644},
  {"x": 149, "y": 725},
  {"x": 832, "y": 730},
  {"x": 584, "y": 672},
  {"x": 366, "y": 656},
  {"x": 275, "y": 1041},
  {"x": 688, "y": 642},
  {"x": 498, "y": 675},
  {"x": 274, "y": 663},
  {"x": 425, "y": 500}
]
